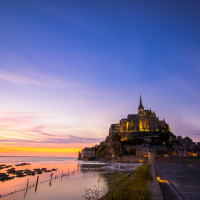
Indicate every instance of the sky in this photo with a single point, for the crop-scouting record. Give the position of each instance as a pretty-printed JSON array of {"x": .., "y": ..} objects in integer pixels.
[{"x": 69, "y": 69}]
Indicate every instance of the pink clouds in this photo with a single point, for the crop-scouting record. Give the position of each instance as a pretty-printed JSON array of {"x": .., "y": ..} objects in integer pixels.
[
  {"x": 29, "y": 79},
  {"x": 68, "y": 139},
  {"x": 22, "y": 129}
]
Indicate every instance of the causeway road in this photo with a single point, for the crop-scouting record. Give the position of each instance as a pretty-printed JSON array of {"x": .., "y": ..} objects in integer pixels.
[{"x": 179, "y": 181}]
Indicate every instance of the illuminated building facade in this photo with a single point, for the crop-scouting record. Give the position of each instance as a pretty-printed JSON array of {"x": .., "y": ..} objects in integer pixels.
[{"x": 144, "y": 121}]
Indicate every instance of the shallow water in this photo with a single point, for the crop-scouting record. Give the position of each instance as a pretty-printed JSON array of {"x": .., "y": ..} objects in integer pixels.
[
  {"x": 63, "y": 164},
  {"x": 70, "y": 186}
]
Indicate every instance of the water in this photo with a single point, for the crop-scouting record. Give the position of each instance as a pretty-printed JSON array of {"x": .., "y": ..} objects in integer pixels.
[
  {"x": 34, "y": 159},
  {"x": 68, "y": 182}
]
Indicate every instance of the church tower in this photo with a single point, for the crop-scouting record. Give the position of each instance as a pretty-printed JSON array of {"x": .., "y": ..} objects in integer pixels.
[{"x": 141, "y": 107}]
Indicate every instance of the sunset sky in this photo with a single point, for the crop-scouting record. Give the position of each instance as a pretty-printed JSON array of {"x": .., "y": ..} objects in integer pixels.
[{"x": 68, "y": 69}]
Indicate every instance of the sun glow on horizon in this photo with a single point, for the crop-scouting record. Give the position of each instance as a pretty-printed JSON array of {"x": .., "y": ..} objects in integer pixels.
[{"x": 38, "y": 151}]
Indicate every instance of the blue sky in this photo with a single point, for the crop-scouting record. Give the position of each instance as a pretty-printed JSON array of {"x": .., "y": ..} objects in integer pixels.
[{"x": 80, "y": 65}]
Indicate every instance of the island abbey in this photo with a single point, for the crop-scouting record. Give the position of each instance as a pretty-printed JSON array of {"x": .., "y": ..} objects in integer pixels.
[
  {"x": 133, "y": 138},
  {"x": 144, "y": 121}
]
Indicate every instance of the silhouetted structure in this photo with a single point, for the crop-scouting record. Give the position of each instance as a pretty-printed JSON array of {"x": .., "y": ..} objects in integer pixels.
[{"x": 144, "y": 121}]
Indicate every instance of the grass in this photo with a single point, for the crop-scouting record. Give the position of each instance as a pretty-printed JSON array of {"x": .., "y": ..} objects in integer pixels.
[
  {"x": 124, "y": 187},
  {"x": 136, "y": 187}
]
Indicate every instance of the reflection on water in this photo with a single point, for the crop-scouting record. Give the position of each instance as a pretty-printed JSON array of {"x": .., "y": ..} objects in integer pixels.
[
  {"x": 63, "y": 165},
  {"x": 66, "y": 188},
  {"x": 69, "y": 182}
]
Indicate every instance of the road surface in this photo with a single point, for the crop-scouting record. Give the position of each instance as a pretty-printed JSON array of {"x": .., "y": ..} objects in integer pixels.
[{"x": 179, "y": 181}]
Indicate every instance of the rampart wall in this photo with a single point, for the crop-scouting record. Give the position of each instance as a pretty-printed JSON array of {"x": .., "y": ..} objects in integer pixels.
[
  {"x": 178, "y": 160},
  {"x": 132, "y": 158}
]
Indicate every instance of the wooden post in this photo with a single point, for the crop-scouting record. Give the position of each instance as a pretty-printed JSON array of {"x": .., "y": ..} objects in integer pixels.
[
  {"x": 36, "y": 184},
  {"x": 27, "y": 184}
]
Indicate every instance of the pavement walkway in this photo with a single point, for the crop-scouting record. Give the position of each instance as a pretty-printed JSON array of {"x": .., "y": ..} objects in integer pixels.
[{"x": 179, "y": 181}]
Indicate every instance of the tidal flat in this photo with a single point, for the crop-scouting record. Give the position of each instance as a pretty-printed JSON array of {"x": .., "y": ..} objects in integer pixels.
[{"x": 60, "y": 178}]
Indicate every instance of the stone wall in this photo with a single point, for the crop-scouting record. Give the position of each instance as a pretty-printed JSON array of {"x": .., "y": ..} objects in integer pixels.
[
  {"x": 132, "y": 158},
  {"x": 154, "y": 184},
  {"x": 178, "y": 160}
]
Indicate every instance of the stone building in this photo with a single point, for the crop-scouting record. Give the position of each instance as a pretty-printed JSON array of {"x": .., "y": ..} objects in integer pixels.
[
  {"x": 87, "y": 153},
  {"x": 144, "y": 121},
  {"x": 142, "y": 150}
]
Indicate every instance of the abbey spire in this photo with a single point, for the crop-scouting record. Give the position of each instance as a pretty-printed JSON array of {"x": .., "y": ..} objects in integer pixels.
[{"x": 141, "y": 107}]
